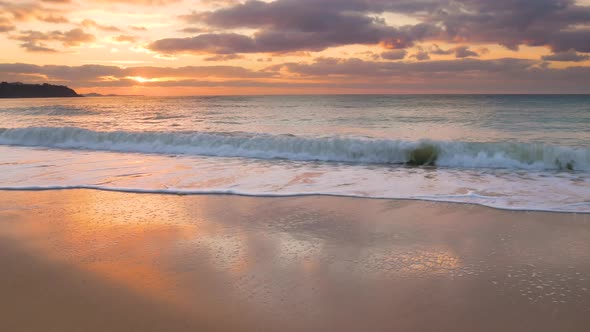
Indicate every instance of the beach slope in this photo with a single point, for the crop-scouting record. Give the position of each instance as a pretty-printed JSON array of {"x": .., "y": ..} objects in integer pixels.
[{"x": 86, "y": 260}]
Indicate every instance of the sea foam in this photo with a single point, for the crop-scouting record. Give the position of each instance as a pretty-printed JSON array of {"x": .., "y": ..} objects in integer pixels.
[{"x": 329, "y": 149}]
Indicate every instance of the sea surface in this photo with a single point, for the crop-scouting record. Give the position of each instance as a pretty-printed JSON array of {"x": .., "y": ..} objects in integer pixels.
[{"x": 518, "y": 152}]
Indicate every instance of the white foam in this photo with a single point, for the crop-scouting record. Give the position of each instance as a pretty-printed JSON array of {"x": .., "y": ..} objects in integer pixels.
[
  {"x": 40, "y": 169},
  {"x": 331, "y": 149}
]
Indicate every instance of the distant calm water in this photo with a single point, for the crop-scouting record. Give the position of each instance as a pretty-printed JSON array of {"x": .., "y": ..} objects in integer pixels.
[{"x": 511, "y": 152}]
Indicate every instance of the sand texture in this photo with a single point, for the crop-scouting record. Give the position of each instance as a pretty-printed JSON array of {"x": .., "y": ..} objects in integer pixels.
[{"x": 85, "y": 260}]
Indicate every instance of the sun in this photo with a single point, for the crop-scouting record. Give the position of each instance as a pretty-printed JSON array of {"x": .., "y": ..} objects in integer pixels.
[{"x": 140, "y": 79}]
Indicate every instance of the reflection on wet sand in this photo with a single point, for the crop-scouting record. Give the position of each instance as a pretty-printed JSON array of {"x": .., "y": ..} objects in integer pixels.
[{"x": 302, "y": 262}]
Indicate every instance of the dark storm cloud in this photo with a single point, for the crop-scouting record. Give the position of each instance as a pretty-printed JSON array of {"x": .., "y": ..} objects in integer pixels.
[{"x": 313, "y": 25}]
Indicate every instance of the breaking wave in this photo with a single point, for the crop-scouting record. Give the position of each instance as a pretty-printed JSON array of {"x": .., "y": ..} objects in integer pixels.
[{"x": 329, "y": 149}]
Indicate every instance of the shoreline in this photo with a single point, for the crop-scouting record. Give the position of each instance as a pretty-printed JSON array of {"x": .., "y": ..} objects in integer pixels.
[
  {"x": 226, "y": 262},
  {"x": 177, "y": 192}
]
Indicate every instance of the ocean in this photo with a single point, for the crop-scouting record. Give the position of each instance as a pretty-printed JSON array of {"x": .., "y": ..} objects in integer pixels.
[{"x": 516, "y": 152}]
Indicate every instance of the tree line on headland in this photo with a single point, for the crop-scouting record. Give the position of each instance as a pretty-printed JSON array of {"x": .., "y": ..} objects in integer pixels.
[{"x": 22, "y": 90}]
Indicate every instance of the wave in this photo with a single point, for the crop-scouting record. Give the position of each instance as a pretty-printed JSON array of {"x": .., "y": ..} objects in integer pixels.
[
  {"x": 453, "y": 199},
  {"x": 48, "y": 110},
  {"x": 328, "y": 149}
]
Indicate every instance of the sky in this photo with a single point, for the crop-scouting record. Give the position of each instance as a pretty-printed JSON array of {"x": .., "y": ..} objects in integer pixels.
[{"x": 220, "y": 47}]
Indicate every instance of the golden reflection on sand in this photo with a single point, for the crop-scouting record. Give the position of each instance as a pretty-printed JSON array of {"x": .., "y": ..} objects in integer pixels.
[
  {"x": 154, "y": 244},
  {"x": 121, "y": 241},
  {"x": 272, "y": 258}
]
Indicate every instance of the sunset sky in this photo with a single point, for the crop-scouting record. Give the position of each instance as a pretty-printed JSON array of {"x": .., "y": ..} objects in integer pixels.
[{"x": 192, "y": 47}]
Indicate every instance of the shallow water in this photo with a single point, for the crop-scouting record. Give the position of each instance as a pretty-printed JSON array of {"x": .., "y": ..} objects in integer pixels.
[{"x": 510, "y": 152}]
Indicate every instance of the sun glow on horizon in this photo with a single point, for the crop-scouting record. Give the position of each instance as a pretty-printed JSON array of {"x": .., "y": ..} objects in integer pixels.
[
  {"x": 290, "y": 47},
  {"x": 142, "y": 79}
]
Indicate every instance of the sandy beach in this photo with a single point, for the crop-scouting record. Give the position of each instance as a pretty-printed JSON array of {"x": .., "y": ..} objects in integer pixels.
[
  {"x": 86, "y": 260},
  {"x": 295, "y": 166}
]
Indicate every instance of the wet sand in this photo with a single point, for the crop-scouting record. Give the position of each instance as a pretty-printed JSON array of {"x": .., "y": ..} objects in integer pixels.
[{"x": 84, "y": 260}]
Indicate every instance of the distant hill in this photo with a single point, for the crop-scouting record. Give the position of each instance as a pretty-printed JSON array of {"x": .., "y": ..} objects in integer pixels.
[{"x": 21, "y": 90}]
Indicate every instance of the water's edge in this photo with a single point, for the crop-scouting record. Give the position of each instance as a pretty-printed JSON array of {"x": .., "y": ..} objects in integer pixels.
[{"x": 173, "y": 192}]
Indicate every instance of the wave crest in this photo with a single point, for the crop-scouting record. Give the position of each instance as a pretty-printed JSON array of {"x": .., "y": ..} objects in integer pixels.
[{"x": 329, "y": 149}]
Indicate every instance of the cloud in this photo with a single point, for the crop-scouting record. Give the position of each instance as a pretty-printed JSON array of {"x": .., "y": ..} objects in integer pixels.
[
  {"x": 227, "y": 43},
  {"x": 511, "y": 23},
  {"x": 74, "y": 37},
  {"x": 27, "y": 11},
  {"x": 126, "y": 38},
  {"x": 193, "y": 30},
  {"x": 196, "y": 71},
  {"x": 140, "y": 2},
  {"x": 217, "y": 3},
  {"x": 394, "y": 55},
  {"x": 462, "y": 75},
  {"x": 36, "y": 47},
  {"x": 93, "y": 24},
  {"x": 314, "y": 25},
  {"x": 421, "y": 55},
  {"x": 6, "y": 25},
  {"x": 137, "y": 28},
  {"x": 459, "y": 51},
  {"x": 289, "y": 26},
  {"x": 99, "y": 73},
  {"x": 435, "y": 49},
  {"x": 53, "y": 19},
  {"x": 227, "y": 57},
  {"x": 464, "y": 52},
  {"x": 568, "y": 56},
  {"x": 276, "y": 41},
  {"x": 353, "y": 67},
  {"x": 33, "y": 41}
]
